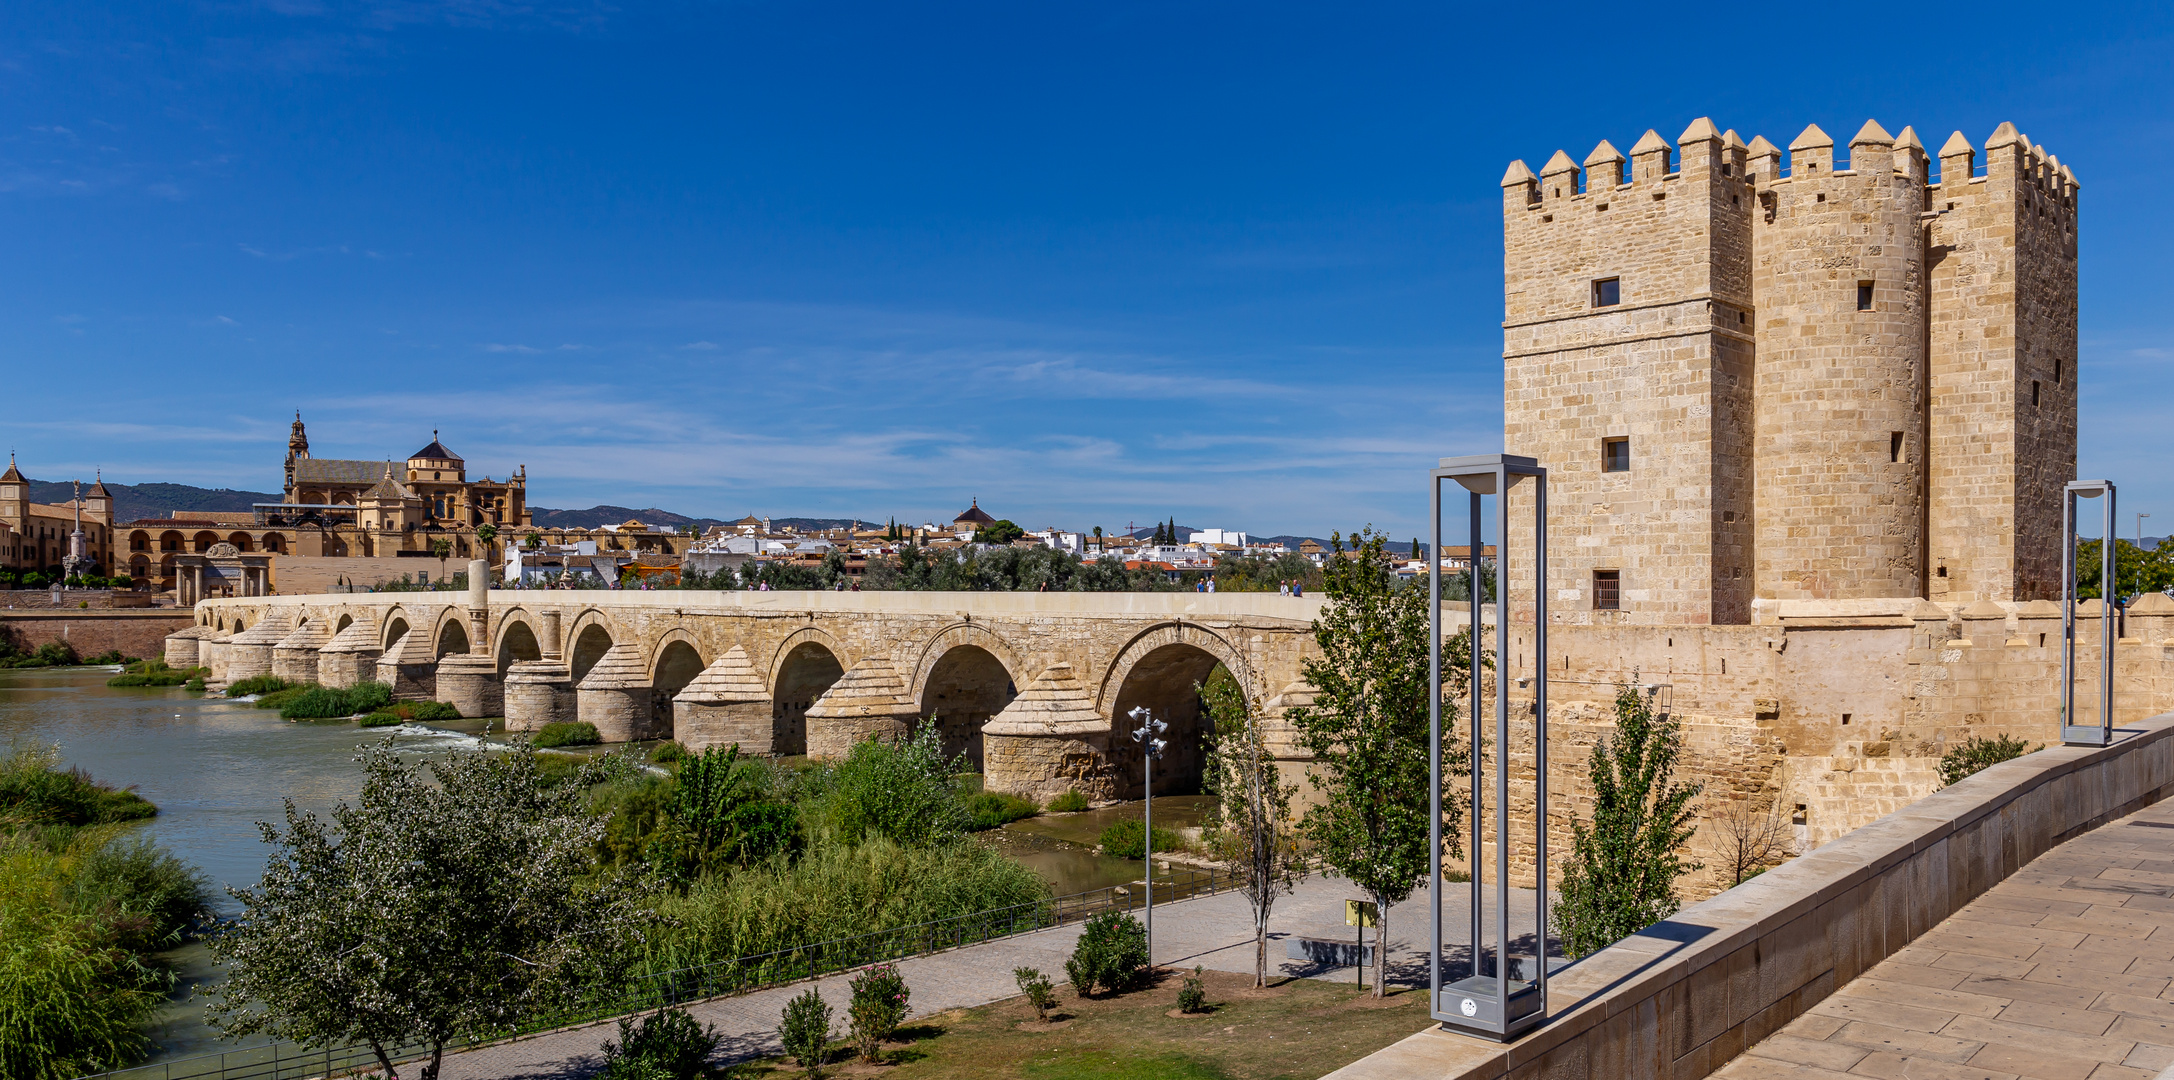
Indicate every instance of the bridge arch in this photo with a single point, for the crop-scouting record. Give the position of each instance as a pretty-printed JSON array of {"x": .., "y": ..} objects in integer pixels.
[
  {"x": 395, "y": 628},
  {"x": 1158, "y": 670},
  {"x": 674, "y": 663},
  {"x": 965, "y": 676},
  {"x": 516, "y": 641},
  {"x": 590, "y": 636},
  {"x": 807, "y": 662},
  {"x": 450, "y": 637}
]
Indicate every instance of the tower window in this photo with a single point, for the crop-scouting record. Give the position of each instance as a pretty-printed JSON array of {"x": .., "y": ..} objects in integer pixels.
[
  {"x": 1615, "y": 455},
  {"x": 1894, "y": 446},
  {"x": 2057, "y": 362},
  {"x": 1864, "y": 296},
  {"x": 1607, "y": 590},
  {"x": 1845, "y": 719},
  {"x": 1607, "y": 292},
  {"x": 2034, "y": 393}
]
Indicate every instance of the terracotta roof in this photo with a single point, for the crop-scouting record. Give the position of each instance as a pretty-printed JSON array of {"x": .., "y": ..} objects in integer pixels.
[
  {"x": 974, "y": 515},
  {"x": 12, "y": 474}
]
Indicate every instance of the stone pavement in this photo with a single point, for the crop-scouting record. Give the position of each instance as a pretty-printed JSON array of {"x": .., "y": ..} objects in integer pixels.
[
  {"x": 2061, "y": 972},
  {"x": 1213, "y": 931}
]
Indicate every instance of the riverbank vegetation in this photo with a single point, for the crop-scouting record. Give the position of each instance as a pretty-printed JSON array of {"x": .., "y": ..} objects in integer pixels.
[
  {"x": 761, "y": 857},
  {"x": 83, "y": 906},
  {"x": 154, "y": 672}
]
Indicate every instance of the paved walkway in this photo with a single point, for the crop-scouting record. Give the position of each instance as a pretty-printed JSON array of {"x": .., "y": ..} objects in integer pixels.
[
  {"x": 2062, "y": 972},
  {"x": 1215, "y": 932}
]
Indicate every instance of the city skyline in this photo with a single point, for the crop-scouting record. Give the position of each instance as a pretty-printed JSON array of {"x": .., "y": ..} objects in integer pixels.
[{"x": 1243, "y": 263}]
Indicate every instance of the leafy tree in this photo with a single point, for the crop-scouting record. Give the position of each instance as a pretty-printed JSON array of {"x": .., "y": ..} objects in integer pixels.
[
  {"x": 1368, "y": 728},
  {"x": 1002, "y": 531},
  {"x": 2136, "y": 570},
  {"x": 1253, "y": 832},
  {"x": 1621, "y": 874},
  {"x": 726, "y": 815},
  {"x": 485, "y": 533},
  {"x": 441, "y": 549},
  {"x": 533, "y": 541},
  {"x": 464, "y": 903}
]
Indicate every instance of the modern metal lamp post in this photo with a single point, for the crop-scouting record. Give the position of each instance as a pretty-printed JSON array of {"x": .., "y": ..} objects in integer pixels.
[
  {"x": 1149, "y": 736},
  {"x": 1501, "y": 1004},
  {"x": 2073, "y": 733}
]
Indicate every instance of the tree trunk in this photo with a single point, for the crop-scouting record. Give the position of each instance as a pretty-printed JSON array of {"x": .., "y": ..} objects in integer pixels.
[
  {"x": 1260, "y": 953},
  {"x": 437, "y": 1058},
  {"x": 1381, "y": 945},
  {"x": 384, "y": 1060}
]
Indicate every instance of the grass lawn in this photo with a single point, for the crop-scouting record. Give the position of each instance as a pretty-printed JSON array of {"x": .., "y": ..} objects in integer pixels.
[{"x": 1296, "y": 1028}]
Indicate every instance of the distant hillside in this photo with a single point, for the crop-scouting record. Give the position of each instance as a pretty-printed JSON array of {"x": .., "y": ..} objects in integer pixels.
[{"x": 132, "y": 501}]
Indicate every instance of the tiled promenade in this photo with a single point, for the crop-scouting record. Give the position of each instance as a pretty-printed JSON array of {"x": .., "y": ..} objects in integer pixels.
[{"x": 2061, "y": 972}]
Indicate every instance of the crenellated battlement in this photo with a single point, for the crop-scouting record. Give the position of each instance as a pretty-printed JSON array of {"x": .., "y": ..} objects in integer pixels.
[
  {"x": 1872, "y": 151},
  {"x": 1839, "y": 366}
]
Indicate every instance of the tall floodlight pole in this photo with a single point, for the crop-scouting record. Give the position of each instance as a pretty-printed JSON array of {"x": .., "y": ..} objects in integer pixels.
[
  {"x": 2073, "y": 733},
  {"x": 1151, "y": 747},
  {"x": 1498, "y": 1005},
  {"x": 2140, "y": 531}
]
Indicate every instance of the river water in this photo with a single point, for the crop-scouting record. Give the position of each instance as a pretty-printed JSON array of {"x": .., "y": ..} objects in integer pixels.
[{"x": 216, "y": 767}]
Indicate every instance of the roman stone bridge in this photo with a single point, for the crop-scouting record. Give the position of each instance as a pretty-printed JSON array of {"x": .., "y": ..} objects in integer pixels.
[{"x": 1034, "y": 688}]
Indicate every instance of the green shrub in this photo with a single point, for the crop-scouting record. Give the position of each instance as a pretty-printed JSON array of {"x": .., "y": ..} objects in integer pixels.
[
  {"x": 1035, "y": 986},
  {"x": 50, "y": 654},
  {"x": 262, "y": 684},
  {"x": 112, "y": 656},
  {"x": 989, "y": 809},
  {"x": 1071, "y": 802},
  {"x": 668, "y": 753},
  {"x": 1111, "y": 954},
  {"x": 196, "y": 682},
  {"x": 151, "y": 898},
  {"x": 278, "y": 699},
  {"x": 667, "y": 1045},
  {"x": 878, "y": 1007},
  {"x": 34, "y": 790},
  {"x": 325, "y": 703},
  {"x": 805, "y": 1031},
  {"x": 155, "y": 673},
  {"x": 903, "y": 791},
  {"x": 72, "y": 1000},
  {"x": 383, "y": 719},
  {"x": 1193, "y": 996},
  {"x": 1977, "y": 753},
  {"x": 568, "y": 733},
  {"x": 1127, "y": 839}
]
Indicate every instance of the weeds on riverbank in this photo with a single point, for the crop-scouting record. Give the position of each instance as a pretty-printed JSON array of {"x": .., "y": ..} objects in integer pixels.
[
  {"x": 261, "y": 684},
  {"x": 154, "y": 672},
  {"x": 82, "y": 905}
]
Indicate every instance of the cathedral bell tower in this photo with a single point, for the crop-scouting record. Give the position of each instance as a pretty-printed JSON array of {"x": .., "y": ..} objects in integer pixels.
[{"x": 297, "y": 449}]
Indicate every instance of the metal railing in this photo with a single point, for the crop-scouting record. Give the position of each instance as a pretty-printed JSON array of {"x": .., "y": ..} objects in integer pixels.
[{"x": 653, "y": 990}]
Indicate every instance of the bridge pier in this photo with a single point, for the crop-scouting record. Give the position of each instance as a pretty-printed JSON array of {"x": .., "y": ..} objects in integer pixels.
[
  {"x": 183, "y": 646},
  {"x": 1048, "y": 741},
  {"x": 249, "y": 654},
  {"x": 470, "y": 683},
  {"x": 726, "y": 705},
  {"x": 410, "y": 668},
  {"x": 868, "y": 702},
  {"x": 538, "y": 692},
  {"x": 295, "y": 657},
  {"x": 350, "y": 657},
  {"x": 618, "y": 697}
]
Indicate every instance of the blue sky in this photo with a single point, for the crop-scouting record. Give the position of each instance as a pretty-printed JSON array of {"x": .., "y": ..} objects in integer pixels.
[{"x": 1092, "y": 263}]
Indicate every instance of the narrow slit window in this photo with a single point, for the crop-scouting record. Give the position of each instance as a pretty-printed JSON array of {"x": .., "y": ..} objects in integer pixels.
[
  {"x": 2057, "y": 362},
  {"x": 1894, "y": 446},
  {"x": 1607, "y": 590},
  {"x": 1864, "y": 296},
  {"x": 1845, "y": 719},
  {"x": 1607, "y": 292},
  {"x": 2034, "y": 393},
  {"x": 1615, "y": 455}
]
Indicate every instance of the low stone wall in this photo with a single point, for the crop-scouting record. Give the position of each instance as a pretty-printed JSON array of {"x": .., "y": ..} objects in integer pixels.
[
  {"x": 94, "y": 599},
  {"x": 135, "y": 633},
  {"x": 1685, "y": 996}
]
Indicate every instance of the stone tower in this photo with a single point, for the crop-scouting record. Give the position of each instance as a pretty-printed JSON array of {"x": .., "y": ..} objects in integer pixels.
[
  {"x": 297, "y": 450},
  {"x": 1830, "y": 381}
]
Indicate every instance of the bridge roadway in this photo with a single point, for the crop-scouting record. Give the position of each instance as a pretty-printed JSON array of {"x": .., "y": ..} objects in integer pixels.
[
  {"x": 2065, "y": 971},
  {"x": 1032, "y": 687}
]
